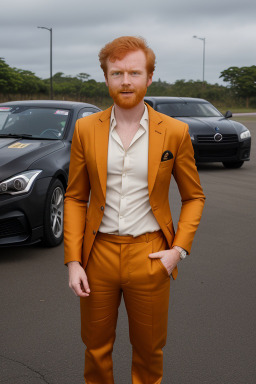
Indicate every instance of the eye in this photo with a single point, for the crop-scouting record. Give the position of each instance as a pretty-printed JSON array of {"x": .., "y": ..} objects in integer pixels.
[{"x": 115, "y": 74}]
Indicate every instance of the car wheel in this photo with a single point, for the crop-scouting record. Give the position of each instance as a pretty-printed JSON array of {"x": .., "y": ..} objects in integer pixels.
[
  {"x": 233, "y": 165},
  {"x": 53, "y": 218}
]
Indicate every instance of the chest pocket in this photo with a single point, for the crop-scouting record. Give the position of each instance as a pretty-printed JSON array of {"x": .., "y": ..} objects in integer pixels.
[{"x": 166, "y": 164}]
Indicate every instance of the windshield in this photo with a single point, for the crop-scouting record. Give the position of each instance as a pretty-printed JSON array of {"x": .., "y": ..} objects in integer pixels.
[
  {"x": 38, "y": 122},
  {"x": 187, "y": 109}
]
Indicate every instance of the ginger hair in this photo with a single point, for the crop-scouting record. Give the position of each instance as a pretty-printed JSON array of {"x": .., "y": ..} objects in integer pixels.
[{"x": 118, "y": 48}]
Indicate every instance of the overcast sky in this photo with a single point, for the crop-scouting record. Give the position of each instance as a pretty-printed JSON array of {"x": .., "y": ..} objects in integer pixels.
[{"x": 81, "y": 28}]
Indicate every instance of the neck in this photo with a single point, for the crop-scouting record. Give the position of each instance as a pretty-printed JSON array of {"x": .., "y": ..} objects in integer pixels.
[{"x": 130, "y": 115}]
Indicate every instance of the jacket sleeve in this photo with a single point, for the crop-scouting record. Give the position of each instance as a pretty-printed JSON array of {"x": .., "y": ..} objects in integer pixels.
[
  {"x": 192, "y": 197},
  {"x": 76, "y": 199}
]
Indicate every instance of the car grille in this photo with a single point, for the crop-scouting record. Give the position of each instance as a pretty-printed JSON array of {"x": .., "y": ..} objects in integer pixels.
[
  {"x": 11, "y": 227},
  {"x": 223, "y": 152},
  {"x": 208, "y": 139}
]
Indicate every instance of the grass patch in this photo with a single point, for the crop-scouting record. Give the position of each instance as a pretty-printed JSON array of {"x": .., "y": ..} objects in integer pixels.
[
  {"x": 223, "y": 110},
  {"x": 241, "y": 119}
]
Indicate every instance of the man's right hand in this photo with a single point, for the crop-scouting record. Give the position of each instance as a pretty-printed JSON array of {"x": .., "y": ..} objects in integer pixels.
[{"x": 77, "y": 279}]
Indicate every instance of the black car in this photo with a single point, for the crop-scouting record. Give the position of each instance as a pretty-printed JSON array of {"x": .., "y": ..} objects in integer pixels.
[
  {"x": 214, "y": 137},
  {"x": 35, "y": 142}
]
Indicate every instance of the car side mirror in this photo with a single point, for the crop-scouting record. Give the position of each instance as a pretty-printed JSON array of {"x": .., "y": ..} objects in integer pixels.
[{"x": 228, "y": 114}]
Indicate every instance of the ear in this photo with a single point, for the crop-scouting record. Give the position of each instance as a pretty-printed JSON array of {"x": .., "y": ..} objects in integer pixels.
[
  {"x": 106, "y": 80},
  {"x": 150, "y": 79}
]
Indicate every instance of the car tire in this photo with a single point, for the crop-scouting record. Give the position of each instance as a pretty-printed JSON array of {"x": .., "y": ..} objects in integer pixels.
[
  {"x": 233, "y": 165},
  {"x": 53, "y": 217}
]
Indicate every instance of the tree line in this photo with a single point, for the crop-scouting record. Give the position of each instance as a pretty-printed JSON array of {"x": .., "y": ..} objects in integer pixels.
[{"x": 23, "y": 84}]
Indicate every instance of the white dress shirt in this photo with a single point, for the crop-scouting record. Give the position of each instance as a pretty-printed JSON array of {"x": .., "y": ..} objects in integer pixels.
[{"x": 127, "y": 210}]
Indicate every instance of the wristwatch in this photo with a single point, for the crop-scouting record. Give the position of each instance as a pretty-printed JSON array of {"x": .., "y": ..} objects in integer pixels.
[{"x": 183, "y": 253}]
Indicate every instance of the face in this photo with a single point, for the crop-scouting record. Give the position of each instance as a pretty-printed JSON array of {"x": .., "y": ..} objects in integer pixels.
[{"x": 127, "y": 79}]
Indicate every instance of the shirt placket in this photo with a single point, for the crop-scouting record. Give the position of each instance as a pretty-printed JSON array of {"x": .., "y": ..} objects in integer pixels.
[
  {"x": 123, "y": 199},
  {"x": 123, "y": 192}
]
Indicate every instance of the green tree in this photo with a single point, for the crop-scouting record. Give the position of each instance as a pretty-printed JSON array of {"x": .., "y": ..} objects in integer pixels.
[
  {"x": 242, "y": 81},
  {"x": 66, "y": 85},
  {"x": 10, "y": 79},
  {"x": 13, "y": 81},
  {"x": 30, "y": 84},
  {"x": 83, "y": 76}
]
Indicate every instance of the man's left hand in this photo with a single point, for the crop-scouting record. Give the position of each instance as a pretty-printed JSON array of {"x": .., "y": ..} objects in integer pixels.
[{"x": 169, "y": 258}]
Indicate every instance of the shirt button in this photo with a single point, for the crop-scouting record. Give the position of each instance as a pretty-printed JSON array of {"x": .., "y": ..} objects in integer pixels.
[
  {"x": 124, "y": 174},
  {"x": 94, "y": 232},
  {"x": 102, "y": 208},
  {"x": 121, "y": 217}
]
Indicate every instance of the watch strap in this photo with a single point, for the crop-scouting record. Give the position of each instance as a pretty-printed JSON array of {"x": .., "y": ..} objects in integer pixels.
[{"x": 183, "y": 252}]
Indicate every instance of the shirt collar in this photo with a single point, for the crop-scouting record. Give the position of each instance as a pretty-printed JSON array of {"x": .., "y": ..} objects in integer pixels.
[{"x": 143, "y": 121}]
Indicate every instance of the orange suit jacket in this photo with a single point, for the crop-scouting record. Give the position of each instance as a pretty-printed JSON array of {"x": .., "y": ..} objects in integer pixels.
[{"x": 86, "y": 192}]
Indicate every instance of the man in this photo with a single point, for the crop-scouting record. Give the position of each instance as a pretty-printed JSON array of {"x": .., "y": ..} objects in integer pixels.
[{"x": 123, "y": 240}]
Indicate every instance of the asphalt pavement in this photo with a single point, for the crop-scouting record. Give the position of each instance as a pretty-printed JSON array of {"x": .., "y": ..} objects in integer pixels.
[{"x": 211, "y": 331}]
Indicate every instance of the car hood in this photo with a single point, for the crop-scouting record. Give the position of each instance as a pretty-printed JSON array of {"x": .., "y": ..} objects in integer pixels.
[
  {"x": 211, "y": 125},
  {"x": 18, "y": 155}
]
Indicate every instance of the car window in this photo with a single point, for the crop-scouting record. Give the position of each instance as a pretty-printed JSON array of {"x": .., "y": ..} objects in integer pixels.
[
  {"x": 43, "y": 123},
  {"x": 188, "y": 109},
  {"x": 149, "y": 102},
  {"x": 4, "y": 113}
]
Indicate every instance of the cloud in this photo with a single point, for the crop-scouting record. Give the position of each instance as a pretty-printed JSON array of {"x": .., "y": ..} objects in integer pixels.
[{"x": 81, "y": 28}]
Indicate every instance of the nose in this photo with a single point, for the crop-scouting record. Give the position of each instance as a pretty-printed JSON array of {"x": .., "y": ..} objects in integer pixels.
[{"x": 126, "y": 79}]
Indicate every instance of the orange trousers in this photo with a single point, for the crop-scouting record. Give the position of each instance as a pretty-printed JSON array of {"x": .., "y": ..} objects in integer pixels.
[{"x": 120, "y": 265}]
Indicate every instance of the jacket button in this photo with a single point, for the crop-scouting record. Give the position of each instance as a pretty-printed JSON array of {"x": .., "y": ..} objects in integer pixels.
[
  {"x": 94, "y": 232},
  {"x": 102, "y": 208}
]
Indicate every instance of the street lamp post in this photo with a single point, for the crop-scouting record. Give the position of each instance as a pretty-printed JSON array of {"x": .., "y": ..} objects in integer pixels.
[
  {"x": 51, "y": 89},
  {"x": 203, "y": 39}
]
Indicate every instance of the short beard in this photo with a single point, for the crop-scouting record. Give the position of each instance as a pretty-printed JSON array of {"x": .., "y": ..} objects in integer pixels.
[{"x": 130, "y": 102}]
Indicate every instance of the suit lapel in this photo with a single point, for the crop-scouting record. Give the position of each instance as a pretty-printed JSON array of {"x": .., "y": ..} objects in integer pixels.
[
  {"x": 155, "y": 147},
  {"x": 101, "y": 147}
]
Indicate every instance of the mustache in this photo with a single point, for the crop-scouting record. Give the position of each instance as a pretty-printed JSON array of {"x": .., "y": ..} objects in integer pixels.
[{"x": 125, "y": 89}]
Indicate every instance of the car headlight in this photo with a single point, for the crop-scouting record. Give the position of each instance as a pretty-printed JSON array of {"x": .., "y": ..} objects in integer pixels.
[
  {"x": 192, "y": 137},
  {"x": 18, "y": 184},
  {"x": 245, "y": 135}
]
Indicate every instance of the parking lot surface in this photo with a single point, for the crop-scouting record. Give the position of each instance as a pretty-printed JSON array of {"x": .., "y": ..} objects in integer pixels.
[{"x": 211, "y": 331}]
